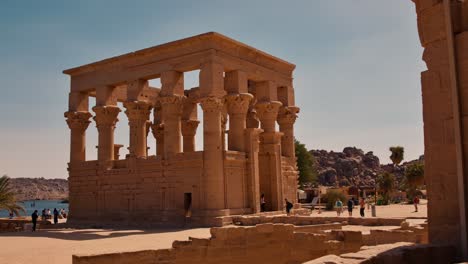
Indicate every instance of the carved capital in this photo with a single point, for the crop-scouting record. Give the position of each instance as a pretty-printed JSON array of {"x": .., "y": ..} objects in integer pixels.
[
  {"x": 158, "y": 131},
  {"x": 137, "y": 110},
  {"x": 212, "y": 104},
  {"x": 189, "y": 127},
  {"x": 78, "y": 120},
  {"x": 172, "y": 104},
  {"x": 106, "y": 115},
  {"x": 238, "y": 103},
  {"x": 287, "y": 115},
  {"x": 267, "y": 110}
]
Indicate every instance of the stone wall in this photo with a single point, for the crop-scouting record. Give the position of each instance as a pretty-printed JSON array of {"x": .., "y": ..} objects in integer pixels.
[
  {"x": 440, "y": 113},
  {"x": 314, "y": 220},
  {"x": 267, "y": 243}
]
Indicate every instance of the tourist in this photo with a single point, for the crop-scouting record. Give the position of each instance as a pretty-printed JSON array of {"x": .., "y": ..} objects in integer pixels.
[
  {"x": 262, "y": 203},
  {"x": 49, "y": 215},
  {"x": 11, "y": 215},
  {"x": 338, "y": 206},
  {"x": 416, "y": 202},
  {"x": 362, "y": 205},
  {"x": 289, "y": 206},
  {"x": 56, "y": 213},
  {"x": 350, "y": 206},
  {"x": 34, "y": 217},
  {"x": 43, "y": 215}
]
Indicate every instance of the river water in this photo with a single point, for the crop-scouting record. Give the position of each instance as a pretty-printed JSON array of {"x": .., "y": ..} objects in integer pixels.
[{"x": 38, "y": 205}]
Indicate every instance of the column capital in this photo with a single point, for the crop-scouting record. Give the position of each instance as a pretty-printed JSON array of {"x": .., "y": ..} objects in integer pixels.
[
  {"x": 212, "y": 104},
  {"x": 238, "y": 103},
  {"x": 287, "y": 115},
  {"x": 267, "y": 110},
  {"x": 189, "y": 127},
  {"x": 158, "y": 131},
  {"x": 106, "y": 115},
  {"x": 137, "y": 110},
  {"x": 172, "y": 104},
  {"x": 78, "y": 120}
]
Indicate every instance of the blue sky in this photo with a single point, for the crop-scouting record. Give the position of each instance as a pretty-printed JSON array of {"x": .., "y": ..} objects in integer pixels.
[{"x": 357, "y": 79}]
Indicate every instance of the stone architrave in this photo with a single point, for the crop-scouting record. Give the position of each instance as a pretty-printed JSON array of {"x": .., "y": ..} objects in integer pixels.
[
  {"x": 78, "y": 122},
  {"x": 213, "y": 178},
  {"x": 106, "y": 119},
  {"x": 171, "y": 117},
  {"x": 237, "y": 107},
  {"x": 189, "y": 129},
  {"x": 138, "y": 115},
  {"x": 286, "y": 118}
]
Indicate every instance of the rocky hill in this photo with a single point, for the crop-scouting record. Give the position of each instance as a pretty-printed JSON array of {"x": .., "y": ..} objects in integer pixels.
[
  {"x": 39, "y": 188},
  {"x": 353, "y": 167}
]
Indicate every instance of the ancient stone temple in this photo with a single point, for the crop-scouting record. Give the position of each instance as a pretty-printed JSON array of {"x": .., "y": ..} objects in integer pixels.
[{"x": 240, "y": 87}]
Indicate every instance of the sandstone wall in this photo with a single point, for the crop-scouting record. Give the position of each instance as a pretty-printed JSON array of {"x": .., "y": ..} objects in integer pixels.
[{"x": 438, "y": 114}]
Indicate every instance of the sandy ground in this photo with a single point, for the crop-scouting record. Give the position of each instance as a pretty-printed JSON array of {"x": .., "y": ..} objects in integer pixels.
[{"x": 58, "y": 245}]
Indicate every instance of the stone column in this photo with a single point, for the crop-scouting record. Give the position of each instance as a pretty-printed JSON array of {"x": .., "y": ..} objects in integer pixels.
[
  {"x": 286, "y": 118},
  {"x": 158, "y": 133},
  {"x": 237, "y": 107},
  {"x": 270, "y": 155},
  {"x": 189, "y": 129},
  {"x": 253, "y": 176},
  {"x": 106, "y": 118},
  {"x": 171, "y": 115},
  {"x": 78, "y": 122},
  {"x": 117, "y": 148},
  {"x": 138, "y": 114},
  {"x": 213, "y": 178}
]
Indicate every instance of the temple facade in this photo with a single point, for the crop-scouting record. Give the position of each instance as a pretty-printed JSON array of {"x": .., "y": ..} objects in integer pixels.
[{"x": 240, "y": 87}]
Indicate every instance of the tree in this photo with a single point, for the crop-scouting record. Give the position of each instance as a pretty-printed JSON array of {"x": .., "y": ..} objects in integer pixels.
[
  {"x": 386, "y": 184},
  {"x": 332, "y": 196},
  {"x": 305, "y": 164},
  {"x": 414, "y": 174},
  {"x": 397, "y": 154},
  {"x": 7, "y": 197}
]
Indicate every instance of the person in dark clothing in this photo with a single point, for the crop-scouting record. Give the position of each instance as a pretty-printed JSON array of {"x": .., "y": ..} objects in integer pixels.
[
  {"x": 350, "y": 207},
  {"x": 262, "y": 203},
  {"x": 289, "y": 206},
  {"x": 56, "y": 213},
  {"x": 34, "y": 217},
  {"x": 43, "y": 214}
]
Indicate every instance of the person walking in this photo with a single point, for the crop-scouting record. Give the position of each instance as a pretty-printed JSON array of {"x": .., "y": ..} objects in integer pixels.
[
  {"x": 350, "y": 207},
  {"x": 34, "y": 217},
  {"x": 262, "y": 203},
  {"x": 338, "y": 207},
  {"x": 56, "y": 213},
  {"x": 362, "y": 205},
  {"x": 416, "y": 202},
  {"x": 289, "y": 206}
]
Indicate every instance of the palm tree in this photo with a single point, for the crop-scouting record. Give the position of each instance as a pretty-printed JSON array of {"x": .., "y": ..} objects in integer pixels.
[
  {"x": 386, "y": 184},
  {"x": 7, "y": 197},
  {"x": 397, "y": 155}
]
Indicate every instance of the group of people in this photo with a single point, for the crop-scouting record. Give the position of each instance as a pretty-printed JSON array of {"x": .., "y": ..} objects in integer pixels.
[
  {"x": 46, "y": 214},
  {"x": 350, "y": 205}
]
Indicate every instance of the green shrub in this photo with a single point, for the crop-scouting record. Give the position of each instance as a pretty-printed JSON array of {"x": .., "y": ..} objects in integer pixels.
[{"x": 332, "y": 196}]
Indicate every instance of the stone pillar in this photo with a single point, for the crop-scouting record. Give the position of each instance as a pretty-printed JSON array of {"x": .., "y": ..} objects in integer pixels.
[
  {"x": 270, "y": 155},
  {"x": 78, "y": 122},
  {"x": 171, "y": 115},
  {"x": 237, "y": 106},
  {"x": 253, "y": 176},
  {"x": 158, "y": 133},
  {"x": 106, "y": 118},
  {"x": 189, "y": 129},
  {"x": 213, "y": 178},
  {"x": 138, "y": 114},
  {"x": 286, "y": 118}
]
